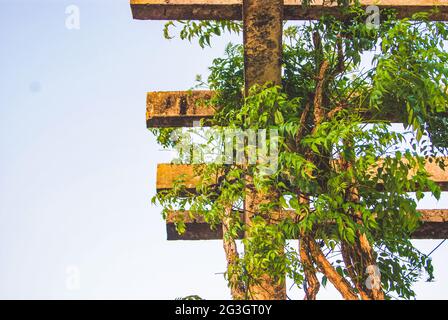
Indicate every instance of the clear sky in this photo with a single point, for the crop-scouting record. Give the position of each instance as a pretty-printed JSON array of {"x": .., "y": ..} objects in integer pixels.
[{"x": 77, "y": 164}]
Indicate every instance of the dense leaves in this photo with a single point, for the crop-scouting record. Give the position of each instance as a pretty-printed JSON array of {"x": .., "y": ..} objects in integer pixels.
[{"x": 345, "y": 183}]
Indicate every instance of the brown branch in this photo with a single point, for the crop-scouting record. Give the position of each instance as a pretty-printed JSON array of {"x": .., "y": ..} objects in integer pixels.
[
  {"x": 317, "y": 42},
  {"x": 362, "y": 248},
  {"x": 335, "y": 111},
  {"x": 340, "y": 66},
  {"x": 312, "y": 282},
  {"x": 339, "y": 282},
  {"x": 236, "y": 286},
  {"x": 368, "y": 254},
  {"x": 319, "y": 113},
  {"x": 350, "y": 267},
  {"x": 303, "y": 118}
]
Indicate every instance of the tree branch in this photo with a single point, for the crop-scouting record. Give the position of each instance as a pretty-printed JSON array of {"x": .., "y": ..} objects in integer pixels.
[
  {"x": 363, "y": 254},
  {"x": 350, "y": 267},
  {"x": 236, "y": 286},
  {"x": 319, "y": 112},
  {"x": 340, "y": 283},
  {"x": 312, "y": 282}
]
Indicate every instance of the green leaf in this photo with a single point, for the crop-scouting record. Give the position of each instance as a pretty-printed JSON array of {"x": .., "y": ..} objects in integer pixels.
[{"x": 278, "y": 117}]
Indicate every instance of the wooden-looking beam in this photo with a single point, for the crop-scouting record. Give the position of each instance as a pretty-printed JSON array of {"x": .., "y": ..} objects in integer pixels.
[
  {"x": 168, "y": 174},
  {"x": 177, "y": 108},
  {"x": 174, "y": 109},
  {"x": 434, "y": 226},
  {"x": 232, "y": 9}
]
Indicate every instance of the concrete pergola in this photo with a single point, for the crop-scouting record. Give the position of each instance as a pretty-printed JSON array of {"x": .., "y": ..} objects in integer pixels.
[{"x": 263, "y": 21}]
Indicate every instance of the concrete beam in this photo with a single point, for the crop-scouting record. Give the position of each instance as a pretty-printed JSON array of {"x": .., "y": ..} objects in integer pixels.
[
  {"x": 174, "y": 109},
  {"x": 232, "y": 9},
  {"x": 177, "y": 108},
  {"x": 434, "y": 226},
  {"x": 168, "y": 174}
]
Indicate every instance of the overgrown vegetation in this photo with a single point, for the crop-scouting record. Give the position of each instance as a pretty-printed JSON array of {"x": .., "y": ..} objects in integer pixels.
[{"x": 343, "y": 174}]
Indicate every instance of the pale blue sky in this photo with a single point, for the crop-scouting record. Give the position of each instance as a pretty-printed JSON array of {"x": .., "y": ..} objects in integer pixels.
[{"x": 77, "y": 165}]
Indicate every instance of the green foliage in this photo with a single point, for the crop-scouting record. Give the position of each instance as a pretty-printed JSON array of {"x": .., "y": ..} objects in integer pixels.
[
  {"x": 204, "y": 30},
  {"x": 407, "y": 76},
  {"x": 413, "y": 54}
]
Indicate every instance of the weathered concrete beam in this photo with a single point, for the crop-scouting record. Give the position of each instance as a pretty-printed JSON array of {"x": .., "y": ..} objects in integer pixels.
[
  {"x": 168, "y": 174},
  {"x": 177, "y": 108},
  {"x": 232, "y": 9},
  {"x": 174, "y": 109},
  {"x": 434, "y": 226}
]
